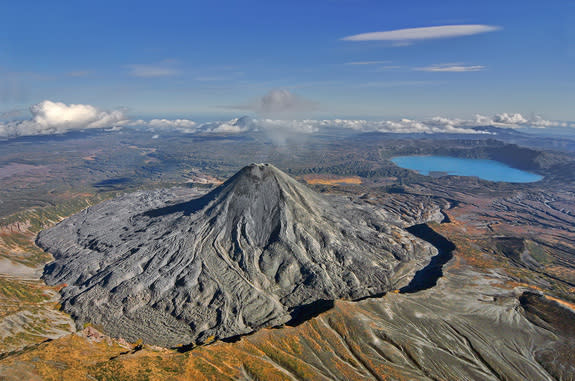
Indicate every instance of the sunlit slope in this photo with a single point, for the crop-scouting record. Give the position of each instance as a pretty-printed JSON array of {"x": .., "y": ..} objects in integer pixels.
[{"x": 470, "y": 326}]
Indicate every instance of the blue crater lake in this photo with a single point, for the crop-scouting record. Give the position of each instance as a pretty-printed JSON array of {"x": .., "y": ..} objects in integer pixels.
[{"x": 484, "y": 169}]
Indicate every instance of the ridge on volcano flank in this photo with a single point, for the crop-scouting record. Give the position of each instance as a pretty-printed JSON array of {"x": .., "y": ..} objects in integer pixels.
[{"x": 239, "y": 258}]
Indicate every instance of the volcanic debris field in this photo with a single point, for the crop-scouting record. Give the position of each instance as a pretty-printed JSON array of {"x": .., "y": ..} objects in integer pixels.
[
  {"x": 340, "y": 266},
  {"x": 145, "y": 266}
]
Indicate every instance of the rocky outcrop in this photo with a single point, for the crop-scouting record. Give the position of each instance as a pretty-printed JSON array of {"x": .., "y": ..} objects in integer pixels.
[{"x": 148, "y": 266}]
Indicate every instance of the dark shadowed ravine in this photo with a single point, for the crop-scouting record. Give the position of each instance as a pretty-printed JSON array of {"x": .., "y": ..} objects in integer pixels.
[{"x": 427, "y": 277}]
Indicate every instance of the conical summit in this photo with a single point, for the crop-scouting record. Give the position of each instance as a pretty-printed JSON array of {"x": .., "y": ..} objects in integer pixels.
[{"x": 227, "y": 263}]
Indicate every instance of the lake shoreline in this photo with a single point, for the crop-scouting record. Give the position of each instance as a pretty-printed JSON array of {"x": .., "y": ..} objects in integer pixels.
[{"x": 485, "y": 169}]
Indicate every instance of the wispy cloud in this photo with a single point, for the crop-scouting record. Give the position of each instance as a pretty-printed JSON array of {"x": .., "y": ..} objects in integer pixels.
[
  {"x": 386, "y": 84},
  {"x": 368, "y": 63},
  {"x": 13, "y": 90},
  {"x": 388, "y": 67},
  {"x": 279, "y": 101},
  {"x": 166, "y": 68},
  {"x": 210, "y": 79},
  {"x": 219, "y": 74},
  {"x": 399, "y": 44},
  {"x": 400, "y": 37},
  {"x": 13, "y": 114},
  {"x": 79, "y": 73},
  {"x": 453, "y": 68}
]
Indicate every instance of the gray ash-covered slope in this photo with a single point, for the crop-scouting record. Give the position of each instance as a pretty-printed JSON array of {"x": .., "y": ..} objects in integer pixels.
[{"x": 239, "y": 258}]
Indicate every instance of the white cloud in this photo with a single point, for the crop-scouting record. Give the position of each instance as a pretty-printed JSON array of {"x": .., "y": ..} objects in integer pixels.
[
  {"x": 516, "y": 120},
  {"x": 246, "y": 123},
  {"x": 170, "y": 123},
  {"x": 57, "y": 118},
  {"x": 186, "y": 126},
  {"x": 443, "y": 125},
  {"x": 542, "y": 123},
  {"x": 283, "y": 128},
  {"x": 403, "y": 36},
  {"x": 505, "y": 118},
  {"x": 166, "y": 68},
  {"x": 279, "y": 131},
  {"x": 454, "y": 68},
  {"x": 431, "y": 126},
  {"x": 235, "y": 125},
  {"x": 300, "y": 126}
]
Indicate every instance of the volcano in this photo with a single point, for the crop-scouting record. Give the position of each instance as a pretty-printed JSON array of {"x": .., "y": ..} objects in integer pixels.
[{"x": 244, "y": 256}]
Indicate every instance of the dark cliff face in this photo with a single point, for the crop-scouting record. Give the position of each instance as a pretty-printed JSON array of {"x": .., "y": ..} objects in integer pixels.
[{"x": 234, "y": 260}]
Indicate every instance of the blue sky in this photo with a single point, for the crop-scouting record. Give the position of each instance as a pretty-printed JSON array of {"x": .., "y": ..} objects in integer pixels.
[{"x": 192, "y": 58}]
